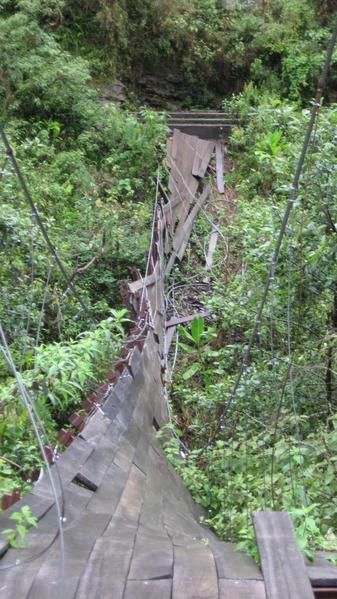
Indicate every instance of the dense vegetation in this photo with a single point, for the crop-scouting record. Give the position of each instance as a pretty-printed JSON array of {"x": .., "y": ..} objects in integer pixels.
[
  {"x": 277, "y": 446},
  {"x": 90, "y": 168}
]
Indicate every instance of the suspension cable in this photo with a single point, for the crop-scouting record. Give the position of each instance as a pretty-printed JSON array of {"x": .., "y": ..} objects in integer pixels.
[{"x": 35, "y": 420}]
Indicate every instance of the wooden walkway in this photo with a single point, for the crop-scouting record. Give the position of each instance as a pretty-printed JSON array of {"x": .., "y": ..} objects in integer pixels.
[{"x": 131, "y": 529}]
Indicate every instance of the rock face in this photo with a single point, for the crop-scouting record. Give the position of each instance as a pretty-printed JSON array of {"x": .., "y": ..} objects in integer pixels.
[
  {"x": 171, "y": 89},
  {"x": 114, "y": 92}
]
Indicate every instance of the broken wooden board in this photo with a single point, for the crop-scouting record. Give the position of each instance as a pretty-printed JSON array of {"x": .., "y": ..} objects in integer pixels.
[
  {"x": 143, "y": 283},
  {"x": 203, "y": 153},
  {"x": 219, "y": 152},
  {"x": 283, "y": 567},
  {"x": 212, "y": 246},
  {"x": 184, "y": 230},
  {"x": 173, "y": 322},
  {"x": 168, "y": 340}
]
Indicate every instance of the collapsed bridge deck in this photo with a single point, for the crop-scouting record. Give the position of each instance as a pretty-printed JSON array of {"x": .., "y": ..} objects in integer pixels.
[{"x": 131, "y": 529}]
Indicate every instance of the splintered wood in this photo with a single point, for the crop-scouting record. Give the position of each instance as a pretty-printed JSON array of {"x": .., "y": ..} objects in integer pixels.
[{"x": 188, "y": 159}]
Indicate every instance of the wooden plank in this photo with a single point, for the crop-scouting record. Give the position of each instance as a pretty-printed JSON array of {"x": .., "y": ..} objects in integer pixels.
[
  {"x": 173, "y": 322},
  {"x": 201, "y": 113},
  {"x": 148, "y": 589},
  {"x": 219, "y": 152},
  {"x": 106, "y": 572},
  {"x": 185, "y": 183},
  {"x": 325, "y": 593},
  {"x": 151, "y": 516},
  {"x": 168, "y": 340},
  {"x": 175, "y": 143},
  {"x": 212, "y": 246},
  {"x": 107, "y": 497},
  {"x": 194, "y": 575},
  {"x": 132, "y": 497},
  {"x": 201, "y": 120},
  {"x": 145, "y": 282},
  {"x": 152, "y": 557},
  {"x": 203, "y": 153},
  {"x": 167, "y": 209},
  {"x": 208, "y": 131},
  {"x": 241, "y": 589},
  {"x": 93, "y": 470},
  {"x": 282, "y": 563},
  {"x": 322, "y": 576},
  {"x": 79, "y": 540},
  {"x": 231, "y": 563},
  {"x": 183, "y": 233}
]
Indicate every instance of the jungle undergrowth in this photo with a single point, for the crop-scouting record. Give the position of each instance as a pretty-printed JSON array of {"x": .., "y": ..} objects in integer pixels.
[{"x": 276, "y": 449}]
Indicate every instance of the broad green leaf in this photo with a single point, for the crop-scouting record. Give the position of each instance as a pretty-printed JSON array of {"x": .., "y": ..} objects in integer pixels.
[{"x": 197, "y": 329}]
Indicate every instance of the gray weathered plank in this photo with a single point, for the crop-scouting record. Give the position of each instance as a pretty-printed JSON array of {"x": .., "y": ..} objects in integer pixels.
[
  {"x": 173, "y": 322},
  {"x": 322, "y": 576},
  {"x": 232, "y": 563},
  {"x": 204, "y": 131},
  {"x": 212, "y": 246},
  {"x": 194, "y": 575},
  {"x": 184, "y": 229},
  {"x": 148, "y": 589},
  {"x": 79, "y": 540},
  {"x": 219, "y": 151},
  {"x": 107, "y": 568},
  {"x": 241, "y": 589},
  {"x": 152, "y": 556},
  {"x": 282, "y": 563},
  {"x": 203, "y": 153},
  {"x": 145, "y": 282}
]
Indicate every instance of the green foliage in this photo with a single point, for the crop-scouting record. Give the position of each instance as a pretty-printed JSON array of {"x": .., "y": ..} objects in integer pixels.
[
  {"x": 24, "y": 520},
  {"x": 38, "y": 78},
  {"x": 89, "y": 169},
  {"x": 233, "y": 478},
  {"x": 61, "y": 377},
  {"x": 277, "y": 445},
  {"x": 277, "y": 45},
  {"x": 97, "y": 194},
  {"x": 198, "y": 337}
]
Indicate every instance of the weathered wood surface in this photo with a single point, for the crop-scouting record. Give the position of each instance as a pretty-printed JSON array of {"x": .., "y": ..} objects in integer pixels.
[
  {"x": 283, "y": 567},
  {"x": 203, "y": 153},
  {"x": 323, "y": 576},
  {"x": 183, "y": 319},
  {"x": 219, "y": 151},
  {"x": 212, "y": 247},
  {"x": 184, "y": 232},
  {"x": 194, "y": 574},
  {"x": 241, "y": 589}
]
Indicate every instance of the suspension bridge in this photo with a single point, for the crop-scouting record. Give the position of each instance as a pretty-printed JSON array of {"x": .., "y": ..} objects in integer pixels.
[{"x": 114, "y": 518}]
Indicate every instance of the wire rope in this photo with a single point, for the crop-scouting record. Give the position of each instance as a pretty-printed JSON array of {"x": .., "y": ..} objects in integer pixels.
[{"x": 35, "y": 421}]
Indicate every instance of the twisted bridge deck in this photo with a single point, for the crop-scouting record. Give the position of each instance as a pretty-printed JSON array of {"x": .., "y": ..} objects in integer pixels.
[{"x": 131, "y": 529}]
